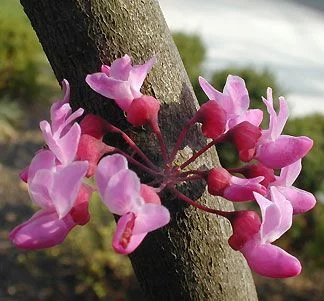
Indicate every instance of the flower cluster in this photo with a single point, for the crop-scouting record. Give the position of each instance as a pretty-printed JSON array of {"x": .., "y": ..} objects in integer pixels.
[{"x": 57, "y": 175}]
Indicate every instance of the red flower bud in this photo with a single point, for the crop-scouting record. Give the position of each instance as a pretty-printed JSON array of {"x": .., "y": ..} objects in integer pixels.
[
  {"x": 213, "y": 119},
  {"x": 143, "y": 110},
  {"x": 245, "y": 225},
  {"x": 218, "y": 180},
  {"x": 256, "y": 170},
  {"x": 244, "y": 136},
  {"x": 93, "y": 125}
]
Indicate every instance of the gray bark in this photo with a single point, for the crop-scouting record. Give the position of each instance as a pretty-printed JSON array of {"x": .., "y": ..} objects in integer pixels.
[{"x": 190, "y": 258}]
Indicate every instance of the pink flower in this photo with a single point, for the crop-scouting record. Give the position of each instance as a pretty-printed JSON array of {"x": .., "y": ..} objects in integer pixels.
[
  {"x": 121, "y": 81},
  {"x": 59, "y": 191},
  {"x": 63, "y": 134},
  {"x": 301, "y": 200},
  {"x": 222, "y": 183},
  {"x": 234, "y": 100},
  {"x": 120, "y": 190},
  {"x": 263, "y": 257},
  {"x": 275, "y": 150}
]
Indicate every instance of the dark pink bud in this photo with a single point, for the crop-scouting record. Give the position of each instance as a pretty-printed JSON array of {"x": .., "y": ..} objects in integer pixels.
[
  {"x": 149, "y": 195},
  {"x": 80, "y": 211},
  {"x": 91, "y": 149},
  {"x": 213, "y": 119},
  {"x": 218, "y": 180},
  {"x": 256, "y": 170},
  {"x": 143, "y": 110},
  {"x": 245, "y": 224},
  {"x": 244, "y": 136},
  {"x": 93, "y": 125}
]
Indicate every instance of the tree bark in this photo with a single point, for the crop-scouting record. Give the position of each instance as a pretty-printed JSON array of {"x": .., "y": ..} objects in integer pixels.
[{"x": 190, "y": 258}]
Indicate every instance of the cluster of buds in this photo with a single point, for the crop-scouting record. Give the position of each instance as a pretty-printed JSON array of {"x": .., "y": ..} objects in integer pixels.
[{"x": 75, "y": 151}]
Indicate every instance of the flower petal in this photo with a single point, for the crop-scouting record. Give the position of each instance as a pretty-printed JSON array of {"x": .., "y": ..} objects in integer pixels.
[
  {"x": 271, "y": 261},
  {"x": 124, "y": 241},
  {"x": 301, "y": 200},
  {"x": 137, "y": 76},
  {"x": 66, "y": 186},
  {"x": 120, "y": 68},
  {"x": 44, "y": 159},
  {"x": 107, "y": 167},
  {"x": 283, "y": 151},
  {"x": 42, "y": 230},
  {"x": 122, "y": 193},
  {"x": 150, "y": 217}
]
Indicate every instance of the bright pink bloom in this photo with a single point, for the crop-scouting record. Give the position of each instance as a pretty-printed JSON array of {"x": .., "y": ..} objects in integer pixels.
[
  {"x": 220, "y": 182},
  {"x": 301, "y": 200},
  {"x": 63, "y": 134},
  {"x": 120, "y": 190},
  {"x": 234, "y": 100},
  {"x": 263, "y": 257},
  {"x": 121, "y": 81},
  {"x": 43, "y": 230},
  {"x": 143, "y": 110},
  {"x": 213, "y": 119},
  {"x": 275, "y": 150}
]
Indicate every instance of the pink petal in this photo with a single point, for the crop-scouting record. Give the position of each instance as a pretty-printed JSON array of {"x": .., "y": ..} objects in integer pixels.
[
  {"x": 236, "y": 89},
  {"x": 288, "y": 174},
  {"x": 241, "y": 190},
  {"x": 44, "y": 159},
  {"x": 109, "y": 87},
  {"x": 284, "y": 151},
  {"x": 281, "y": 119},
  {"x": 137, "y": 76},
  {"x": 40, "y": 187},
  {"x": 107, "y": 167},
  {"x": 271, "y": 261},
  {"x": 301, "y": 200},
  {"x": 122, "y": 193},
  {"x": 149, "y": 195},
  {"x": 120, "y": 68},
  {"x": 66, "y": 186},
  {"x": 124, "y": 241},
  {"x": 150, "y": 217},
  {"x": 213, "y": 94},
  {"x": 42, "y": 230}
]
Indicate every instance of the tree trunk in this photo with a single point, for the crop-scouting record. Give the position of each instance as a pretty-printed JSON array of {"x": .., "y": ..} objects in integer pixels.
[{"x": 190, "y": 258}]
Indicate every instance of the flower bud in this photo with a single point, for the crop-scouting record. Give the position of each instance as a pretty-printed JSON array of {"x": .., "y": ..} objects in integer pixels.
[
  {"x": 245, "y": 224},
  {"x": 218, "y": 180},
  {"x": 213, "y": 119},
  {"x": 244, "y": 136},
  {"x": 143, "y": 110},
  {"x": 256, "y": 170}
]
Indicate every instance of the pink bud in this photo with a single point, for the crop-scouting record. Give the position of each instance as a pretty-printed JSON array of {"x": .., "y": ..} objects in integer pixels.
[
  {"x": 256, "y": 170},
  {"x": 143, "y": 110},
  {"x": 93, "y": 125},
  {"x": 80, "y": 211},
  {"x": 91, "y": 149},
  {"x": 218, "y": 180},
  {"x": 245, "y": 137},
  {"x": 213, "y": 119},
  {"x": 245, "y": 224}
]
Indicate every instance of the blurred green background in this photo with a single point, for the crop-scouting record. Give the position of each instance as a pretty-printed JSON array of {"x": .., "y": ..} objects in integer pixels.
[{"x": 85, "y": 267}]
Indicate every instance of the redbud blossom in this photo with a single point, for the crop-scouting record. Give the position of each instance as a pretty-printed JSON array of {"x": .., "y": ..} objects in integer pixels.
[
  {"x": 220, "y": 182},
  {"x": 263, "y": 257},
  {"x": 234, "y": 100},
  {"x": 275, "y": 150},
  {"x": 121, "y": 81},
  {"x": 120, "y": 190},
  {"x": 256, "y": 170}
]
